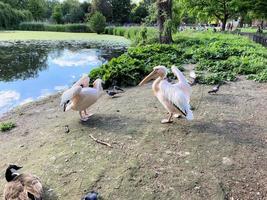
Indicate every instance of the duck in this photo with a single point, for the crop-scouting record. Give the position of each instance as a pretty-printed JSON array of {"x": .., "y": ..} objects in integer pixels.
[
  {"x": 175, "y": 97},
  {"x": 22, "y": 186},
  {"x": 80, "y": 97}
]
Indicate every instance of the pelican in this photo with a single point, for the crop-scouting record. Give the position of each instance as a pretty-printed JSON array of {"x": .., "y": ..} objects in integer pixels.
[
  {"x": 22, "y": 186},
  {"x": 174, "y": 97},
  {"x": 80, "y": 96}
]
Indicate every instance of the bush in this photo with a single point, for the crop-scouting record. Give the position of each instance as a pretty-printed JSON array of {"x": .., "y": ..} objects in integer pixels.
[
  {"x": 6, "y": 126},
  {"x": 131, "y": 67},
  {"x": 10, "y": 18},
  {"x": 40, "y": 26},
  {"x": 97, "y": 22},
  {"x": 218, "y": 57},
  {"x": 134, "y": 33}
]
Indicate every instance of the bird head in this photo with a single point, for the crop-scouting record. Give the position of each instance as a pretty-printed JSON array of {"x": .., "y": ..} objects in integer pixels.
[
  {"x": 158, "y": 71},
  {"x": 11, "y": 172},
  {"x": 67, "y": 96}
]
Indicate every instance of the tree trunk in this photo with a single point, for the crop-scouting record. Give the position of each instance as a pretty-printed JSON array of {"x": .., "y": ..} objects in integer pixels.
[
  {"x": 224, "y": 21},
  {"x": 164, "y": 14}
]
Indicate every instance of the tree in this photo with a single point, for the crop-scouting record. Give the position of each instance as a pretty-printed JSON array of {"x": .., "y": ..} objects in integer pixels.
[
  {"x": 120, "y": 10},
  {"x": 57, "y": 14},
  {"x": 164, "y": 8},
  {"x": 36, "y": 7},
  {"x": 138, "y": 13},
  {"x": 102, "y": 6},
  {"x": 220, "y": 9},
  {"x": 97, "y": 23}
]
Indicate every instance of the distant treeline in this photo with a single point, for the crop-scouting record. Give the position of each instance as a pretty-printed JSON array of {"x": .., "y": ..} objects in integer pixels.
[{"x": 11, "y": 18}]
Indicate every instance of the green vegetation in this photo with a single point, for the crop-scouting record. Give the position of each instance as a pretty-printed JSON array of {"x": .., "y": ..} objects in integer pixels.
[
  {"x": 10, "y": 17},
  {"x": 134, "y": 33},
  {"x": 97, "y": 22},
  {"x": 218, "y": 57},
  {"x": 40, "y": 26},
  {"x": 7, "y": 126}
]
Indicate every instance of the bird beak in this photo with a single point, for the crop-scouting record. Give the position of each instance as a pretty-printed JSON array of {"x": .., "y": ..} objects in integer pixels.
[{"x": 150, "y": 76}]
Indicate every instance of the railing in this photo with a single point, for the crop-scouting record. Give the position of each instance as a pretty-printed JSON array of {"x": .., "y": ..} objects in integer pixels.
[{"x": 258, "y": 38}]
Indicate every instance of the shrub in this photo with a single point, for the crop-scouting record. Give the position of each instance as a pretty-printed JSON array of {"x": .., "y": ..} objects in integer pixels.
[
  {"x": 131, "y": 67},
  {"x": 134, "y": 33},
  {"x": 6, "y": 126},
  {"x": 218, "y": 57},
  {"x": 40, "y": 26},
  {"x": 97, "y": 22},
  {"x": 10, "y": 18}
]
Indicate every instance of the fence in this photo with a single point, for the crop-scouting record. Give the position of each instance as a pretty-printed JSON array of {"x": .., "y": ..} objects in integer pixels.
[{"x": 258, "y": 38}]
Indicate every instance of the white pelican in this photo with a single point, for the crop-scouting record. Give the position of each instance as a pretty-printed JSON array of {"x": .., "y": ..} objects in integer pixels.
[
  {"x": 174, "y": 97},
  {"x": 80, "y": 96},
  {"x": 21, "y": 186}
]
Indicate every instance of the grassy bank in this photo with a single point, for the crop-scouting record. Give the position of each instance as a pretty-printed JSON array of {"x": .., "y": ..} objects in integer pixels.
[
  {"x": 218, "y": 57},
  {"x": 40, "y": 26},
  {"x": 38, "y": 35}
]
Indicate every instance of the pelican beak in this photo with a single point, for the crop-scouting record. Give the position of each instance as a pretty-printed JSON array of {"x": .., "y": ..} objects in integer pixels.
[{"x": 150, "y": 76}]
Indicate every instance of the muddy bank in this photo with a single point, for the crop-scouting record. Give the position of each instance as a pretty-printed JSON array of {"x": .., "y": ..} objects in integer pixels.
[{"x": 220, "y": 155}]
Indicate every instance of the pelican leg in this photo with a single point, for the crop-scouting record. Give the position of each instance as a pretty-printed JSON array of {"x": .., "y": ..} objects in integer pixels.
[
  {"x": 87, "y": 115},
  {"x": 84, "y": 119},
  {"x": 177, "y": 116},
  {"x": 169, "y": 120}
]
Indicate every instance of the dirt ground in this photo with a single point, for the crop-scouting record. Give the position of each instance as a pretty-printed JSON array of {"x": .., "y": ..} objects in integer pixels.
[{"x": 221, "y": 154}]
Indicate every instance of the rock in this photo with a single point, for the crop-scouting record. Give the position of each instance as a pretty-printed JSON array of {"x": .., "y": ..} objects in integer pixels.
[{"x": 227, "y": 161}]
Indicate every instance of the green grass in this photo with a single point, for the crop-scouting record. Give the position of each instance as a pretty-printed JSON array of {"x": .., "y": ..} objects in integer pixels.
[
  {"x": 6, "y": 126},
  {"x": 251, "y": 30},
  {"x": 39, "y": 35}
]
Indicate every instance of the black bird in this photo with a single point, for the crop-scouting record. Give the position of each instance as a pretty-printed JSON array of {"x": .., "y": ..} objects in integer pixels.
[
  {"x": 91, "y": 196},
  {"x": 111, "y": 93},
  {"x": 215, "y": 89},
  {"x": 118, "y": 88}
]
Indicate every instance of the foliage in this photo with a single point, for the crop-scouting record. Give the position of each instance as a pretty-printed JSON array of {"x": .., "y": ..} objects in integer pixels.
[
  {"x": 130, "y": 68},
  {"x": 222, "y": 10},
  {"x": 104, "y": 7},
  {"x": 120, "y": 11},
  {"x": 139, "y": 13},
  {"x": 57, "y": 14},
  {"x": 40, "y": 26},
  {"x": 36, "y": 7},
  {"x": 134, "y": 33},
  {"x": 97, "y": 23},
  {"x": 218, "y": 57},
  {"x": 6, "y": 126},
  {"x": 10, "y": 18}
]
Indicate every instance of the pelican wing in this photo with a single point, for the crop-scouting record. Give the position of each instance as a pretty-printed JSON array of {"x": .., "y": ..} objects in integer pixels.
[
  {"x": 182, "y": 82},
  {"x": 177, "y": 98},
  {"x": 84, "y": 81},
  {"x": 70, "y": 93}
]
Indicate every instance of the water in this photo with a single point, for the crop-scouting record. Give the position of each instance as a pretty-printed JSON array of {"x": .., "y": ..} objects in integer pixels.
[{"x": 32, "y": 71}]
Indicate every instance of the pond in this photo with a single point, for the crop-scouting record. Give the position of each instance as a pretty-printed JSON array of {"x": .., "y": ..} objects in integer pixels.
[{"x": 32, "y": 70}]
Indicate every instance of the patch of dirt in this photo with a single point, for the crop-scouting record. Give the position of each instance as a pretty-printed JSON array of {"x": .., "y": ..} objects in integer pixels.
[{"x": 221, "y": 154}]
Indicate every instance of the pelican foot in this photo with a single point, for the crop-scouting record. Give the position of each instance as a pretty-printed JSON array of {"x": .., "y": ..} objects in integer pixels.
[
  {"x": 84, "y": 119},
  {"x": 177, "y": 116},
  {"x": 89, "y": 115},
  {"x": 166, "y": 121}
]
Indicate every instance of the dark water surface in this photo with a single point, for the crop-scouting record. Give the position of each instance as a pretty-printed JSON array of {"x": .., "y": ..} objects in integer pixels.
[{"x": 30, "y": 71}]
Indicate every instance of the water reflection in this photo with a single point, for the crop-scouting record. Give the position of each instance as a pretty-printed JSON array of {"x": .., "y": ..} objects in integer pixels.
[{"x": 29, "y": 72}]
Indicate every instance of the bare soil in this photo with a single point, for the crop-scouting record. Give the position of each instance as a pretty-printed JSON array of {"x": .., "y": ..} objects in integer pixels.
[{"x": 221, "y": 154}]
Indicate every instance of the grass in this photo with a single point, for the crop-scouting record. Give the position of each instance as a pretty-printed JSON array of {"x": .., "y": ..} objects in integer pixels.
[
  {"x": 251, "y": 30},
  {"x": 39, "y": 35},
  {"x": 7, "y": 126}
]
